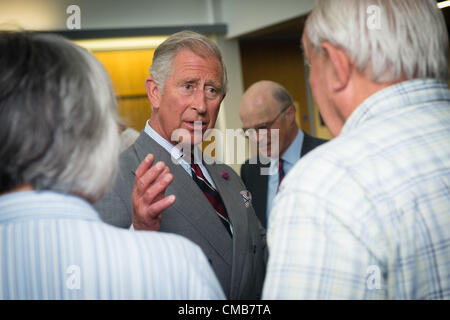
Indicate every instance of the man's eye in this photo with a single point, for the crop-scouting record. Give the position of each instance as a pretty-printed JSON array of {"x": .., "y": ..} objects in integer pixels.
[
  {"x": 188, "y": 86},
  {"x": 212, "y": 92}
]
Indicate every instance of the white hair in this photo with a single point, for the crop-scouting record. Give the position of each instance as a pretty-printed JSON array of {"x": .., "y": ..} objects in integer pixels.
[
  {"x": 161, "y": 67},
  {"x": 393, "y": 38},
  {"x": 58, "y": 114}
]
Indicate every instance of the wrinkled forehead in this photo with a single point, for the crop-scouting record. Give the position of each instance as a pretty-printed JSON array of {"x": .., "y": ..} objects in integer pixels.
[
  {"x": 186, "y": 60},
  {"x": 202, "y": 53}
]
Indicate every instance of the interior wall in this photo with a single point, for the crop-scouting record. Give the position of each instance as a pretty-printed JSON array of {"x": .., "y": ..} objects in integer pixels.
[
  {"x": 128, "y": 70},
  {"x": 103, "y": 14},
  {"x": 280, "y": 61},
  {"x": 229, "y": 111},
  {"x": 246, "y": 16}
]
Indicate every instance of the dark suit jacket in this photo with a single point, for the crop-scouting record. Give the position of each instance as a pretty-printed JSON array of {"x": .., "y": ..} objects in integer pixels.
[
  {"x": 257, "y": 183},
  {"x": 239, "y": 262}
]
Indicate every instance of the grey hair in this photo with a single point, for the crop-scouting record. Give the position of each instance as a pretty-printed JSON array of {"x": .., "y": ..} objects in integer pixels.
[
  {"x": 161, "y": 67},
  {"x": 409, "y": 39},
  {"x": 283, "y": 97},
  {"x": 58, "y": 117}
]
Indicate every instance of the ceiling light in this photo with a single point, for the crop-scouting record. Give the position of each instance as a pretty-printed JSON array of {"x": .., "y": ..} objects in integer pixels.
[
  {"x": 443, "y": 4},
  {"x": 130, "y": 43}
]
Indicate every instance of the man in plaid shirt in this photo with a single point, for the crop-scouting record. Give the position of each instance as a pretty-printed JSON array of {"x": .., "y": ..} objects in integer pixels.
[{"x": 367, "y": 215}]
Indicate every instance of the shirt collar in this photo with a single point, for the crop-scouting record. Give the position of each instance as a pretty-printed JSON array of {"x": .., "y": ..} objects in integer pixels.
[
  {"x": 176, "y": 153},
  {"x": 44, "y": 204},
  {"x": 170, "y": 148},
  {"x": 395, "y": 97},
  {"x": 292, "y": 153}
]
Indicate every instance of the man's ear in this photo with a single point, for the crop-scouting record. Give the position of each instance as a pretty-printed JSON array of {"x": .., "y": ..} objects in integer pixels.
[
  {"x": 290, "y": 113},
  {"x": 340, "y": 63},
  {"x": 153, "y": 92}
]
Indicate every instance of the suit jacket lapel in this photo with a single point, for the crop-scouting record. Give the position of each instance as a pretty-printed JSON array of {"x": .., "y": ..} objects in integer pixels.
[
  {"x": 190, "y": 200},
  {"x": 263, "y": 182},
  {"x": 309, "y": 143},
  {"x": 238, "y": 215}
]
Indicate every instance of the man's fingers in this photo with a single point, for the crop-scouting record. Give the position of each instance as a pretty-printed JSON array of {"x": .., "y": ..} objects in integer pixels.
[
  {"x": 143, "y": 182},
  {"x": 145, "y": 165},
  {"x": 156, "y": 209},
  {"x": 165, "y": 170},
  {"x": 148, "y": 197},
  {"x": 158, "y": 188}
]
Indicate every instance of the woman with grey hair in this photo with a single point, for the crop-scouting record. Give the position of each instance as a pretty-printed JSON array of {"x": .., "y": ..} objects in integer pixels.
[{"x": 58, "y": 153}]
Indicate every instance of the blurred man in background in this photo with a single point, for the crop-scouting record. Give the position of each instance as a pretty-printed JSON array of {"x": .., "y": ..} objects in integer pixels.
[{"x": 268, "y": 106}]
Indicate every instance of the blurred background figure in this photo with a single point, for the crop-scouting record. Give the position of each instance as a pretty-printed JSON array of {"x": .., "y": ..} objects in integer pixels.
[
  {"x": 268, "y": 106},
  {"x": 59, "y": 152},
  {"x": 127, "y": 136},
  {"x": 367, "y": 215}
]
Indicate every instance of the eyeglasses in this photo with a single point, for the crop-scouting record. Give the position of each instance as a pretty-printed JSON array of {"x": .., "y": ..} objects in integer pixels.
[{"x": 262, "y": 126}]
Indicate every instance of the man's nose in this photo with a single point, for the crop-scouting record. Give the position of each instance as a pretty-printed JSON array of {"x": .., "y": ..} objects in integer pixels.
[{"x": 199, "y": 102}]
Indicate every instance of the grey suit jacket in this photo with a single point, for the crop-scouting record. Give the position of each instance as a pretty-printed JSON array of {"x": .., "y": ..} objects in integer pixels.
[{"x": 239, "y": 262}]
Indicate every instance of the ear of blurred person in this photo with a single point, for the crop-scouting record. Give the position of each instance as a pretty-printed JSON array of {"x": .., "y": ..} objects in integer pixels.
[
  {"x": 369, "y": 210},
  {"x": 59, "y": 152}
]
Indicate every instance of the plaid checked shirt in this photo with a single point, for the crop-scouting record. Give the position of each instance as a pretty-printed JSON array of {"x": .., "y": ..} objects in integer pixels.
[{"x": 367, "y": 215}]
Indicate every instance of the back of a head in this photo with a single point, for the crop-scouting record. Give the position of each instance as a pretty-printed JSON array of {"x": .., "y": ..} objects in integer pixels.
[
  {"x": 394, "y": 39},
  {"x": 163, "y": 57},
  {"x": 58, "y": 128}
]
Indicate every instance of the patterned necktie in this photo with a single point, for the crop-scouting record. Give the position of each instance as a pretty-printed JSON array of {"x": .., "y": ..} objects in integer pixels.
[
  {"x": 212, "y": 195},
  {"x": 281, "y": 173}
]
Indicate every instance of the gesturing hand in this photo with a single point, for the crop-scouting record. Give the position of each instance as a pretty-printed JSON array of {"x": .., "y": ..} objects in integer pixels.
[{"x": 148, "y": 194}]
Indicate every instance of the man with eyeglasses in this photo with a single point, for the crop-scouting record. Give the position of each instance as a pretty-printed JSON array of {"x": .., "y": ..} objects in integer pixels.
[{"x": 267, "y": 113}]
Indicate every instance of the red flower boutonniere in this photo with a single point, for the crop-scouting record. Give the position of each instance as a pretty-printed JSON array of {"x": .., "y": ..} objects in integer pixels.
[{"x": 225, "y": 175}]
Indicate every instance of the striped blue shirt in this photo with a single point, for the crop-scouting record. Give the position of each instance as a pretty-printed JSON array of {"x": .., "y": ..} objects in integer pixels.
[
  {"x": 367, "y": 215},
  {"x": 54, "y": 246}
]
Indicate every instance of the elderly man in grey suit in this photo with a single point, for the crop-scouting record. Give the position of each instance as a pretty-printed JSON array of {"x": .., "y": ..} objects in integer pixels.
[{"x": 207, "y": 203}]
